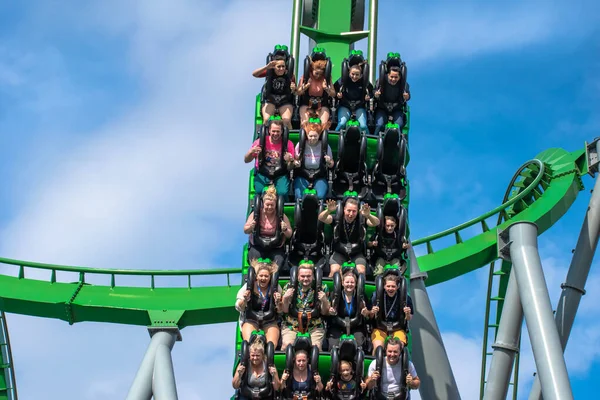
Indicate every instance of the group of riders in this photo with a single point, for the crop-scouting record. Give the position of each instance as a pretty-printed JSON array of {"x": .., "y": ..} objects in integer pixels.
[{"x": 324, "y": 304}]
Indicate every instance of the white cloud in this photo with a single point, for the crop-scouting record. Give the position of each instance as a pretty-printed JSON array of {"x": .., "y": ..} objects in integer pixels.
[
  {"x": 158, "y": 186},
  {"x": 462, "y": 31}
]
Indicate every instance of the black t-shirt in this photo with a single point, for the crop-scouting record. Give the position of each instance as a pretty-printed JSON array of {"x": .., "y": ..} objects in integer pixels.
[
  {"x": 390, "y": 307},
  {"x": 349, "y": 233},
  {"x": 353, "y": 92},
  {"x": 346, "y": 309}
]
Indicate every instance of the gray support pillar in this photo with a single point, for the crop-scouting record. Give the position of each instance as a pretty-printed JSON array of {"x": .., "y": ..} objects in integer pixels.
[
  {"x": 163, "y": 384},
  {"x": 428, "y": 351},
  {"x": 533, "y": 291},
  {"x": 141, "y": 388},
  {"x": 507, "y": 343},
  {"x": 573, "y": 288},
  {"x": 297, "y": 10},
  {"x": 372, "y": 44}
]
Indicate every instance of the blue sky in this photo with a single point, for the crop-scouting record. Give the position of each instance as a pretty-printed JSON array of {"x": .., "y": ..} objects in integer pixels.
[{"x": 110, "y": 114}]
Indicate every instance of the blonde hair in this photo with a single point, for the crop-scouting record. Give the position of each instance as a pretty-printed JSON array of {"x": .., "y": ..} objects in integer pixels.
[
  {"x": 258, "y": 346},
  {"x": 270, "y": 193},
  {"x": 258, "y": 266},
  {"x": 305, "y": 265}
]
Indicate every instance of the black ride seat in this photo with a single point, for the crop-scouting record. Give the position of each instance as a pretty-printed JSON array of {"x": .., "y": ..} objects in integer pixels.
[
  {"x": 307, "y": 242},
  {"x": 389, "y": 173},
  {"x": 350, "y": 169}
]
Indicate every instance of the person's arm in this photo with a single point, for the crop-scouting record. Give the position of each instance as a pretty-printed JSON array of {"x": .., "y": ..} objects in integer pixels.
[
  {"x": 240, "y": 298},
  {"x": 412, "y": 379},
  {"x": 262, "y": 71},
  {"x": 372, "y": 376},
  {"x": 409, "y": 310},
  {"x": 236, "y": 382},
  {"x": 325, "y": 215},
  {"x": 407, "y": 91},
  {"x": 253, "y": 152},
  {"x": 250, "y": 224},
  {"x": 279, "y": 303},
  {"x": 288, "y": 227},
  {"x": 275, "y": 375},
  {"x": 319, "y": 382},
  {"x": 288, "y": 293},
  {"x": 324, "y": 300},
  {"x": 331, "y": 163},
  {"x": 371, "y": 219}
]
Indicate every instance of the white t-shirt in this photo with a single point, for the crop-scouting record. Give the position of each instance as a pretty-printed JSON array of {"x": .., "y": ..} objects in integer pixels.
[
  {"x": 391, "y": 376},
  {"x": 312, "y": 154}
]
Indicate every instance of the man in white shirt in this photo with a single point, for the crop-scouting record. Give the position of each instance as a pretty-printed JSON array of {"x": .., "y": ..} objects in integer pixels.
[{"x": 392, "y": 385}]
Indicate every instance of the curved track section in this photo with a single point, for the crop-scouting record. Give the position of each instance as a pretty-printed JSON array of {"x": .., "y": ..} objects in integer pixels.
[
  {"x": 8, "y": 385},
  {"x": 547, "y": 194},
  {"x": 543, "y": 201}
]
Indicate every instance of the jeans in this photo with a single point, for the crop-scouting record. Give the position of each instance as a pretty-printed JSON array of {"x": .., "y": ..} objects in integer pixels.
[
  {"x": 381, "y": 119},
  {"x": 320, "y": 186},
  {"x": 282, "y": 185},
  {"x": 344, "y": 114}
]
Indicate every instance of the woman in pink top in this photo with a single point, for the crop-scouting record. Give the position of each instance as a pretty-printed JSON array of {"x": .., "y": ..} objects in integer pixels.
[
  {"x": 314, "y": 94},
  {"x": 269, "y": 233}
]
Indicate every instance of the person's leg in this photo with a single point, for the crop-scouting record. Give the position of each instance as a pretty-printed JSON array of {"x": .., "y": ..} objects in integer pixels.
[
  {"x": 321, "y": 186},
  {"x": 254, "y": 253},
  {"x": 380, "y": 120},
  {"x": 303, "y": 114},
  {"x": 361, "y": 264},
  {"x": 379, "y": 265},
  {"x": 398, "y": 117},
  {"x": 361, "y": 116},
  {"x": 272, "y": 334},
  {"x": 359, "y": 336},
  {"x": 377, "y": 338},
  {"x": 324, "y": 114},
  {"x": 300, "y": 184},
  {"x": 287, "y": 337},
  {"x": 268, "y": 110},
  {"x": 343, "y": 115},
  {"x": 335, "y": 263},
  {"x": 278, "y": 256},
  {"x": 260, "y": 181},
  {"x": 401, "y": 335},
  {"x": 282, "y": 185},
  {"x": 316, "y": 337},
  {"x": 333, "y": 337},
  {"x": 247, "y": 329},
  {"x": 286, "y": 111}
]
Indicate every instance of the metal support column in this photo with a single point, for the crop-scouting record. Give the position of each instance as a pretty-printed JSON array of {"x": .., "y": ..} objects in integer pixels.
[
  {"x": 535, "y": 300},
  {"x": 295, "y": 40},
  {"x": 573, "y": 288},
  {"x": 142, "y": 386},
  {"x": 163, "y": 384},
  {"x": 428, "y": 351},
  {"x": 507, "y": 343},
  {"x": 372, "y": 45}
]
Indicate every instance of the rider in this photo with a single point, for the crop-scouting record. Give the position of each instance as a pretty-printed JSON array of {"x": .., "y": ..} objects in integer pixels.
[
  {"x": 314, "y": 92},
  {"x": 303, "y": 379},
  {"x": 352, "y": 98},
  {"x": 280, "y": 94},
  {"x": 391, "y": 377},
  {"x": 258, "y": 369},
  {"x": 349, "y": 233},
  {"x": 393, "y": 99},
  {"x": 259, "y": 306},
  {"x": 312, "y": 160},
  {"x": 390, "y": 312},
  {"x": 305, "y": 303},
  {"x": 346, "y": 385},
  {"x": 387, "y": 248},
  {"x": 270, "y": 226},
  {"x": 274, "y": 168}
]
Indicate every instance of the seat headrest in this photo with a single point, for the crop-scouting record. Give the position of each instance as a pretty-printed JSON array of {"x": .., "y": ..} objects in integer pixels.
[
  {"x": 318, "y": 54},
  {"x": 303, "y": 342},
  {"x": 347, "y": 348}
]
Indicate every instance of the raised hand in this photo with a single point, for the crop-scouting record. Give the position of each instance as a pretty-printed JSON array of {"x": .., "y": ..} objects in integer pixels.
[
  {"x": 240, "y": 369},
  {"x": 256, "y": 151},
  {"x": 406, "y": 96},
  {"x": 277, "y": 296},
  {"x": 331, "y": 205},
  {"x": 272, "y": 64},
  {"x": 285, "y": 375},
  {"x": 377, "y": 93},
  {"x": 365, "y": 210},
  {"x": 288, "y": 293},
  {"x": 272, "y": 370},
  {"x": 247, "y": 295}
]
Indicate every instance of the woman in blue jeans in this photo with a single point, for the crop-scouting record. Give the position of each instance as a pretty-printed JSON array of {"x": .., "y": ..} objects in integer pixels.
[
  {"x": 353, "y": 96},
  {"x": 312, "y": 161}
]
